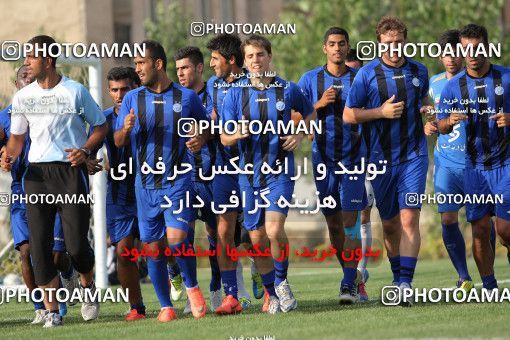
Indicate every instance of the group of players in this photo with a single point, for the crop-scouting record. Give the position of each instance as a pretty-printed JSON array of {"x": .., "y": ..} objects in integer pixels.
[{"x": 373, "y": 112}]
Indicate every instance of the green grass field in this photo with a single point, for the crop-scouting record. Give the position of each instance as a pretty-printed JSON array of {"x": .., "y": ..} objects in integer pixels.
[{"x": 318, "y": 315}]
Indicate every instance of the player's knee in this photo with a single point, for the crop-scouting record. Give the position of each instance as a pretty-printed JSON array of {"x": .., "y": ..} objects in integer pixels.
[
  {"x": 504, "y": 233},
  {"x": 480, "y": 231},
  {"x": 449, "y": 218}
]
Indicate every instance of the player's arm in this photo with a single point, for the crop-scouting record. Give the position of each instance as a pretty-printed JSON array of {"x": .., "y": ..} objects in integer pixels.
[
  {"x": 449, "y": 112},
  {"x": 302, "y": 104},
  {"x": 198, "y": 112},
  {"x": 18, "y": 130},
  {"x": 125, "y": 123},
  {"x": 228, "y": 113},
  {"x": 389, "y": 109},
  {"x": 12, "y": 150}
]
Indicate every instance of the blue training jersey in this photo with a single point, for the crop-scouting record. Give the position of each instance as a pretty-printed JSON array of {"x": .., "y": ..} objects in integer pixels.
[
  {"x": 393, "y": 140},
  {"x": 156, "y": 136},
  {"x": 487, "y": 145},
  {"x": 206, "y": 157},
  {"x": 217, "y": 89},
  {"x": 273, "y": 104},
  {"x": 338, "y": 142},
  {"x": 450, "y": 148}
]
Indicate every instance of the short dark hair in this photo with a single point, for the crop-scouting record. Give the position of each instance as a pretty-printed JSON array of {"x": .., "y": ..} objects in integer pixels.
[
  {"x": 450, "y": 37},
  {"x": 474, "y": 31},
  {"x": 353, "y": 56},
  {"x": 389, "y": 23},
  {"x": 122, "y": 72},
  {"x": 336, "y": 30},
  {"x": 227, "y": 45},
  {"x": 134, "y": 76},
  {"x": 193, "y": 53},
  {"x": 155, "y": 50},
  {"x": 258, "y": 41},
  {"x": 48, "y": 46}
]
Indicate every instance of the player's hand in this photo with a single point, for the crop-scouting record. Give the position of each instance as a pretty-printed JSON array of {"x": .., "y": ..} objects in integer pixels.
[
  {"x": 456, "y": 117},
  {"x": 6, "y": 160},
  {"x": 392, "y": 110},
  {"x": 243, "y": 130},
  {"x": 430, "y": 128},
  {"x": 94, "y": 165},
  {"x": 129, "y": 121},
  {"x": 292, "y": 142},
  {"x": 2, "y": 134},
  {"x": 327, "y": 98},
  {"x": 194, "y": 144},
  {"x": 76, "y": 156},
  {"x": 502, "y": 119}
]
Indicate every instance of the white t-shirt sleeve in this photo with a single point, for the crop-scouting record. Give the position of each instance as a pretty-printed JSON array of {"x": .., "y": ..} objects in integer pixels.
[{"x": 19, "y": 122}]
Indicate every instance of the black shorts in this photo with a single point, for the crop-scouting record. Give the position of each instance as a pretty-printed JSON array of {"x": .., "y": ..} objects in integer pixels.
[{"x": 64, "y": 190}]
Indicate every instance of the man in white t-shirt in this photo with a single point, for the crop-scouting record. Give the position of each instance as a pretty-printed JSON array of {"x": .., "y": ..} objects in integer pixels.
[{"x": 54, "y": 110}]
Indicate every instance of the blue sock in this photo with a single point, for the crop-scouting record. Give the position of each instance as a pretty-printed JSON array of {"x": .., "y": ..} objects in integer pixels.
[
  {"x": 38, "y": 297},
  {"x": 215, "y": 283},
  {"x": 280, "y": 271},
  {"x": 489, "y": 282},
  {"x": 140, "y": 308},
  {"x": 395, "y": 267},
  {"x": 188, "y": 264},
  {"x": 190, "y": 237},
  {"x": 229, "y": 282},
  {"x": 349, "y": 277},
  {"x": 159, "y": 277},
  {"x": 67, "y": 275},
  {"x": 493, "y": 238},
  {"x": 407, "y": 267},
  {"x": 62, "y": 306},
  {"x": 174, "y": 270},
  {"x": 456, "y": 247},
  {"x": 268, "y": 282}
]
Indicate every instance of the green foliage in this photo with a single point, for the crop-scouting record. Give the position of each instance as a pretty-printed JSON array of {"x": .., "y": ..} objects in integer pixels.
[{"x": 171, "y": 28}]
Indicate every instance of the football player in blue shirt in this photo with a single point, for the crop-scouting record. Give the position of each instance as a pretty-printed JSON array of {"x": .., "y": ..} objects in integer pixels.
[
  {"x": 121, "y": 212},
  {"x": 265, "y": 99},
  {"x": 149, "y": 122},
  {"x": 478, "y": 96},
  {"x": 327, "y": 86},
  {"x": 390, "y": 93}
]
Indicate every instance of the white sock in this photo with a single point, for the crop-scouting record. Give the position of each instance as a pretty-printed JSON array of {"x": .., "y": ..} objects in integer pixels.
[
  {"x": 366, "y": 242},
  {"x": 241, "y": 290}
]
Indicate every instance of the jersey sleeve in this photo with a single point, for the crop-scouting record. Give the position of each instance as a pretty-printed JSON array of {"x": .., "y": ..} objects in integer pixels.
[
  {"x": 5, "y": 125},
  {"x": 197, "y": 110},
  {"x": 304, "y": 84},
  {"x": 358, "y": 94},
  {"x": 91, "y": 111},
  {"x": 123, "y": 112},
  {"x": 447, "y": 103},
  {"x": 300, "y": 102},
  {"x": 19, "y": 122},
  {"x": 424, "y": 75}
]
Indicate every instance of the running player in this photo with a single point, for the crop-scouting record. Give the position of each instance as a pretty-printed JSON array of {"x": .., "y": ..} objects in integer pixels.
[
  {"x": 449, "y": 164},
  {"x": 189, "y": 64},
  {"x": 227, "y": 62},
  {"x": 121, "y": 214},
  {"x": 264, "y": 99},
  {"x": 149, "y": 121},
  {"x": 327, "y": 86},
  {"x": 478, "y": 96},
  {"x": 390, "y": 93},
  {"x": 19, "y": 223}
]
